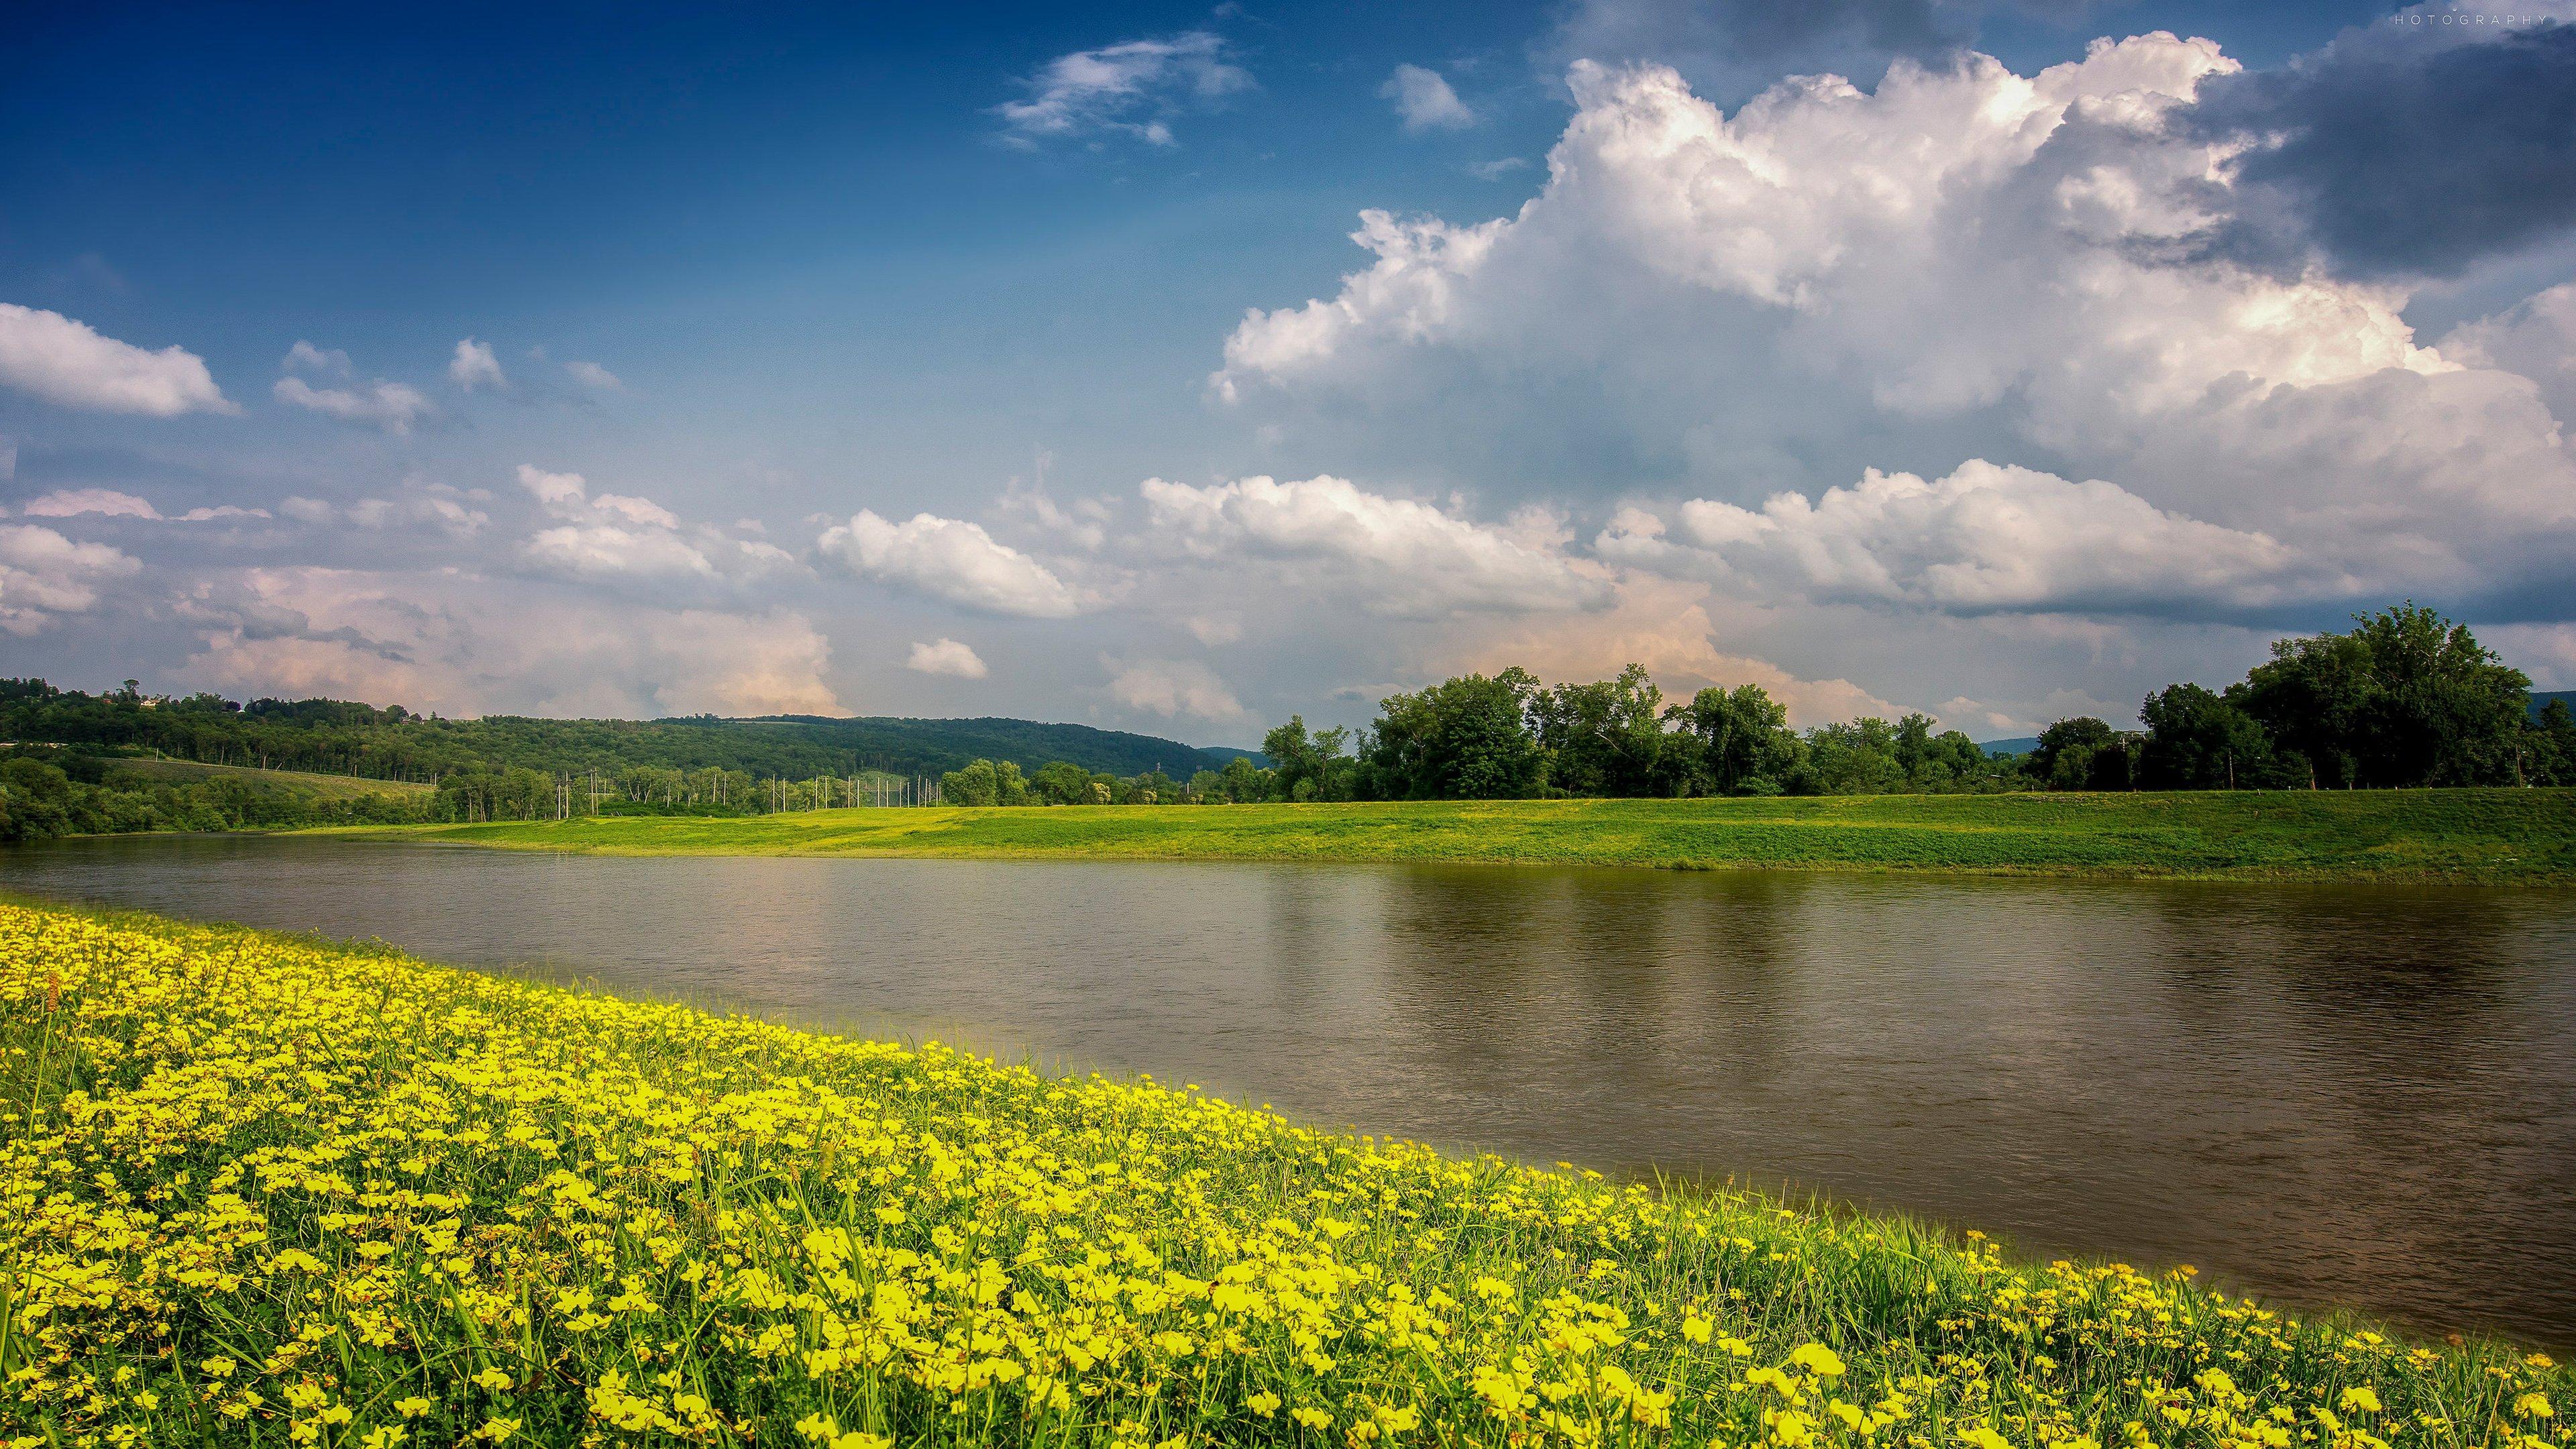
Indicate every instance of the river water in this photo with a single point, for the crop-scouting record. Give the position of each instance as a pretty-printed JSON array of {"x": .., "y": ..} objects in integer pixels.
[{"x": 2324, "y": 1095}]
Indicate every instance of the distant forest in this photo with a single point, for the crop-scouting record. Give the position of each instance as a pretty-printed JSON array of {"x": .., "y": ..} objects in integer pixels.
[
  {"x": 2404, "y": 699},
  {"x": 64, "y": 754}
]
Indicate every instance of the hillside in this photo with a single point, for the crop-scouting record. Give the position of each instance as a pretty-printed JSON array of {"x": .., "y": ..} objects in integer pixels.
[
  {"x": 341, "y": 738},
  {"x": 288, "y": 784}
]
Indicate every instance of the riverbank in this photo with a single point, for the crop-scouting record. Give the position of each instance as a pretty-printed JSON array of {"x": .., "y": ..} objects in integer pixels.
[
  {"x": 2480, "y": 836},
  {"x": 389, "y": 1196}
]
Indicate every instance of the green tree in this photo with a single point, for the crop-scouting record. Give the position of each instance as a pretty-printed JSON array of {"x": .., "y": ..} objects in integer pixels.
[
  {"x": 984, "y": 782},
  {"x": 1603, "y": 738},
  {"x": 2082, "y": 754},
  {"x": 1745, "y": 744},
  {"x": 2407, "y": 698},
  {"x": 1461, "y": 739},
  {"x": 1061, "y": 782},
  {"x": 2196, "y": 740}
]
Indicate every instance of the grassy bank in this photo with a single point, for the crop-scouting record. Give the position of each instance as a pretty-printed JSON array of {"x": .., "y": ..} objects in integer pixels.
[
  {"x": 2416, "y": 835},
  {"x": 299, "y": 785},
  {"x": 255, "y": 1189}
]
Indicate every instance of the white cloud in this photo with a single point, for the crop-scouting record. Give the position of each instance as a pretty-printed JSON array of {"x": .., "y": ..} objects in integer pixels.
[
  {"x": 946, "y": 656},
  {"x": 2535, "y": 338},
  {"x": 304, "y": 356},
  {"x": 70, "y": 364},
  {"x": 1398, "y": 556},
  {"x": 395, "y": 407},
  {"x": 1984, "y": 539},
  {"x": 1133, "y": 88},
  {"x": 465, "y": 644},
  {"x": 950, "y": 559},
  {"x": 607, "y": 536},
  {"x": 1498, "y": 168},
  {"x": 1425, "y": 101},
  {"x": 432, "y": 506},
  {"x": 109, "y": 503},
  {"x": 474, "y": 366},
  {"x": 1173, "y": 688},
  {"x": 1964, "y": 264},
  {"x": 592, "y": 375},
  {"x": 43, "y": 575}
]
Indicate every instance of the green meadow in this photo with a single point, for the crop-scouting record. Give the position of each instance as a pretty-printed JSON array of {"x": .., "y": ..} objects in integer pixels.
[{"x": 2498, "y": 836}]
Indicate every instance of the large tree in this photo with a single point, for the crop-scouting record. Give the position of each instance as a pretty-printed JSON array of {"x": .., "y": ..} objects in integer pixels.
[
  {"x": 1461, "y": 739},
  {"x": 2196, "y": 740},
  {"x": 1603, "y": 738},
  {"x": 2408, "y": 698},
  {"x": 1745, "y": 744}
]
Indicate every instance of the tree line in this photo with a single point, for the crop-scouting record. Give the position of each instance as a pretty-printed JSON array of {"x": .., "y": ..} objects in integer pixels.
[{"x": 2404, "y": 699}]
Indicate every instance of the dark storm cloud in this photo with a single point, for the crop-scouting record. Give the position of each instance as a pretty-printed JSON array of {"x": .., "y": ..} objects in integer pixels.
[{"x": 2402, "y": 150}]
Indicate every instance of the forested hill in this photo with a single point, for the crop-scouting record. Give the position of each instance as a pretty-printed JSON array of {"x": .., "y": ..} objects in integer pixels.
[{"x": 344, "y": 738}]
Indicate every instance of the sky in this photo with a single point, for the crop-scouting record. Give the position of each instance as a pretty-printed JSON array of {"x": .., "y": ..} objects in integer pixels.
[{"x": 1179, "y": 368}]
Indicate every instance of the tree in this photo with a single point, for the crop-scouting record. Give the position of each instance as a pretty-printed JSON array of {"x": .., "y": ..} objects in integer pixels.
[
  {"x": 984, "y": 782},
  {"x": 1307, "y": 767},
  {"x": 1461, "y": 739},
  {"x": 2407, "y": 698},
  {"x": 1938, "y": 762},
  {"x": 2196, "y": 740},
  {"x": 1858, "y": 758},
  {"x": 1745, "y": 744},
  {"x": 1061, "y": 782},
  {"x": 1602, "y": 738},
  {"x": 2552, "y": 745},
  {"x": 2082, "y": 754}
]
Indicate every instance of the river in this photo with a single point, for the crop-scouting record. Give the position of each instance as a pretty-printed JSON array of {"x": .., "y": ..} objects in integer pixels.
[{"x": 2324, "y": 1095}]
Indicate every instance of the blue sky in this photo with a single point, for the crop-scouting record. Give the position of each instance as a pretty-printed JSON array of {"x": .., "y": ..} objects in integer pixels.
[{"x": 863, "y": 335}]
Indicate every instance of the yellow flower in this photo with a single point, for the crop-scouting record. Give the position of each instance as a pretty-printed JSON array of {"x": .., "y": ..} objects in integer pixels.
[
  {"x": 2360, "y": 1397},
  {"x": 1817, "y": 1359}
]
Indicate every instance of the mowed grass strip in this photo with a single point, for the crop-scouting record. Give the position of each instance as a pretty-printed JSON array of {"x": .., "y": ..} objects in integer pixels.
[
  {"x": 263, "y": 1190},
  {"x": 2494, "y": 836}
]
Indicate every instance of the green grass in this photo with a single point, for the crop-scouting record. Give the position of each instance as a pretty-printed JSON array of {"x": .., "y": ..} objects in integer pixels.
[
  {"x": 266, "y": 1190},
  {"x": 2496, "y": 836},
  {"x": 297, "y": 784}
]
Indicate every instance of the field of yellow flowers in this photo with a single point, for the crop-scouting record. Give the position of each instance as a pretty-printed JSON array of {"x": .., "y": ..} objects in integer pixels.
[{"x": 256, "y": 1189}]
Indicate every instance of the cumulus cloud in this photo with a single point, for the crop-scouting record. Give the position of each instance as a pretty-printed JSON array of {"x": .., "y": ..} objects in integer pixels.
[
  {"x": 595, "y": 377},
  {"x": 2535, "y": 338},
  {"x": 304, "y": 356},
  {"x": 44, "y": 575},
  {"x": 68, "y": 363},
  {"x": 949, "y": 559},
  {"x": 948, "y": 657},
  {"x": 474, "y": 366},
  {"x": 1984, "y": 539},
  {"x": 109, "y": 503},
  {"x": 1424, "y": 100},
  {"x": 1134, "y": 88},
  {"x": 464, "y": 644},
  {"x": 620, "y": 536},
  {"x": 1964, "y": 263},
  {"x": 1396, "y": 555},
  {"x": 1173, "y": 688},
  {"x": 396, "y": 407}
]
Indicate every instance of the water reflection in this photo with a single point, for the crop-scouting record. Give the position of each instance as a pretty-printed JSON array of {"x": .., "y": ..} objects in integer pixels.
[{"x": 2329, "y": 1095}]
